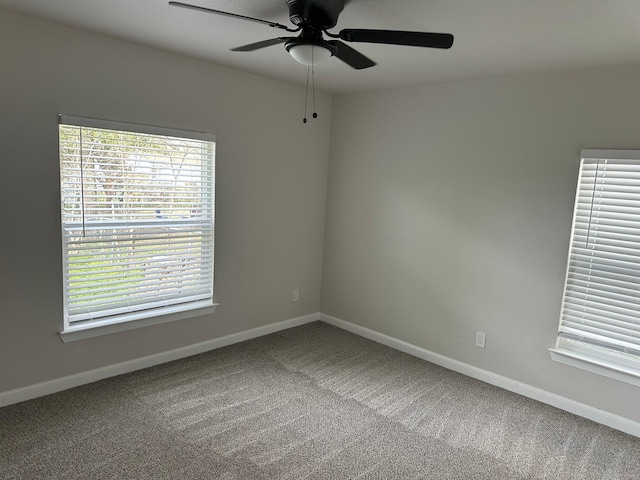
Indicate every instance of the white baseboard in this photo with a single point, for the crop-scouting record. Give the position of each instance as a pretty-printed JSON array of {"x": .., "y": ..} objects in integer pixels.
[
  {"x": 600, "y": 416},
  {"x": 45, "y": 388},
  {"x": 64, "y": 383}
]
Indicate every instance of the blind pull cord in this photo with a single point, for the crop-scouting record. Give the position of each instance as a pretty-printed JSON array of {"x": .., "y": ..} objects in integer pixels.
[
  {"x": 593, "y": 199},
  {"x": 84, "y": 232}
]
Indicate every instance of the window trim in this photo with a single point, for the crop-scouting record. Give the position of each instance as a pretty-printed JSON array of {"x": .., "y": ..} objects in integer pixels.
[
  {"x": 570, "y": 352},
  {"x": 133, "y": 127},
  {"x": 82, "y": 330},
  {"x": 599, "y": 366}
]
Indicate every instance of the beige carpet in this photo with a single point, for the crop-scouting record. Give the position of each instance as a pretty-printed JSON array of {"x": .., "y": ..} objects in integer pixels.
[{"x": 312, "y": 402}]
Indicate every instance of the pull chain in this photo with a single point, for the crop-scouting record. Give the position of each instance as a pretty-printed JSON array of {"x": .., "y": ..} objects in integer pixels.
[
  {"x": 313, "y": 85},
  {"x": 306, "y": 95},
  {"x": 310, "y": 69}
]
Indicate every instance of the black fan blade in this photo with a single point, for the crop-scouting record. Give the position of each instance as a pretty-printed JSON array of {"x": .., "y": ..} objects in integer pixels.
[
  {"x": 233, "y": 15},
  {"x": 350, "y": 56},
  {"x": 264, "y": 43},
  {"x": 398, "y": 37}
]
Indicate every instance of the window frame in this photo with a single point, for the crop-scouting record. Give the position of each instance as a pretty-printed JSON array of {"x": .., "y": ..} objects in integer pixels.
[
  {"x": 132, "y": 320},
  {"x": 586, "y": 355}
]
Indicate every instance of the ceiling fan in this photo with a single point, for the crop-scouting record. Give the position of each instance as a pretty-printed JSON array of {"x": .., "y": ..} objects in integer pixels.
[{"x": 313, "y": 18}]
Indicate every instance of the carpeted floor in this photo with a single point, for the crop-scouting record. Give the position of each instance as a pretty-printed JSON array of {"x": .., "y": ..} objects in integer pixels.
[{"x": 311, "y": 402}]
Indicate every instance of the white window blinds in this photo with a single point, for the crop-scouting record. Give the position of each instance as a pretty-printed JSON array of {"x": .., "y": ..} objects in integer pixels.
[
  {"x": 137, "y": 220},
  {"x": 601, "y": 303}
]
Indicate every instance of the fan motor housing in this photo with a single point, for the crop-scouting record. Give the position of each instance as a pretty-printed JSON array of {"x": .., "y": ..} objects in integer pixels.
[{"x": 320, "y": 14}]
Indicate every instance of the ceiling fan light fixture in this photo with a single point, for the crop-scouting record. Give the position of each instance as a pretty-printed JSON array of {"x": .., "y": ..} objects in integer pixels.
[{"x": 308, "y": 53}]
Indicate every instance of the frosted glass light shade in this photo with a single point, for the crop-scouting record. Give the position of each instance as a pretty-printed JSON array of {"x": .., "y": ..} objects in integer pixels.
[{"x": 309, "y": 54}]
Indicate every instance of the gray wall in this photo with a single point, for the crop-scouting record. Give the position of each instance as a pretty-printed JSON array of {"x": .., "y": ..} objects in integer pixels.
[
  {"x": 449, "y": 211},
  {"x": 271, "y": 184}
]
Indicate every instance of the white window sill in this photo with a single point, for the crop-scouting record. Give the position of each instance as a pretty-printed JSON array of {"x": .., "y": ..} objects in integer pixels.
[
  {"x": 90, "y": 330},
  {"x": 596, "y": 365}
]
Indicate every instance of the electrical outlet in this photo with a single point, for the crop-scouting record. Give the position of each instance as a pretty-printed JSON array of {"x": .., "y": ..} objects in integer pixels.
[
  {"x": 296, "y": 295},
  {"x": 481, "y": 338}
]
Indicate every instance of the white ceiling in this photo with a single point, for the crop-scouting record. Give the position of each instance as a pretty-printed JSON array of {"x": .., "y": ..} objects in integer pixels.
[{"x": 492, "y": 37}]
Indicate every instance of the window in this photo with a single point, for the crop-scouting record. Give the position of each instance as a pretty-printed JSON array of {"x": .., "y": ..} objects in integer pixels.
[
  {"x": 600, "y": 321},
  {"x": 137, "y": 224}
]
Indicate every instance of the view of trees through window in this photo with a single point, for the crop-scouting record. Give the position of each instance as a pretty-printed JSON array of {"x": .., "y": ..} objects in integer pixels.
[
  {"x": 137, "y": 212},
  {"x": 110, "y": 175}
]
